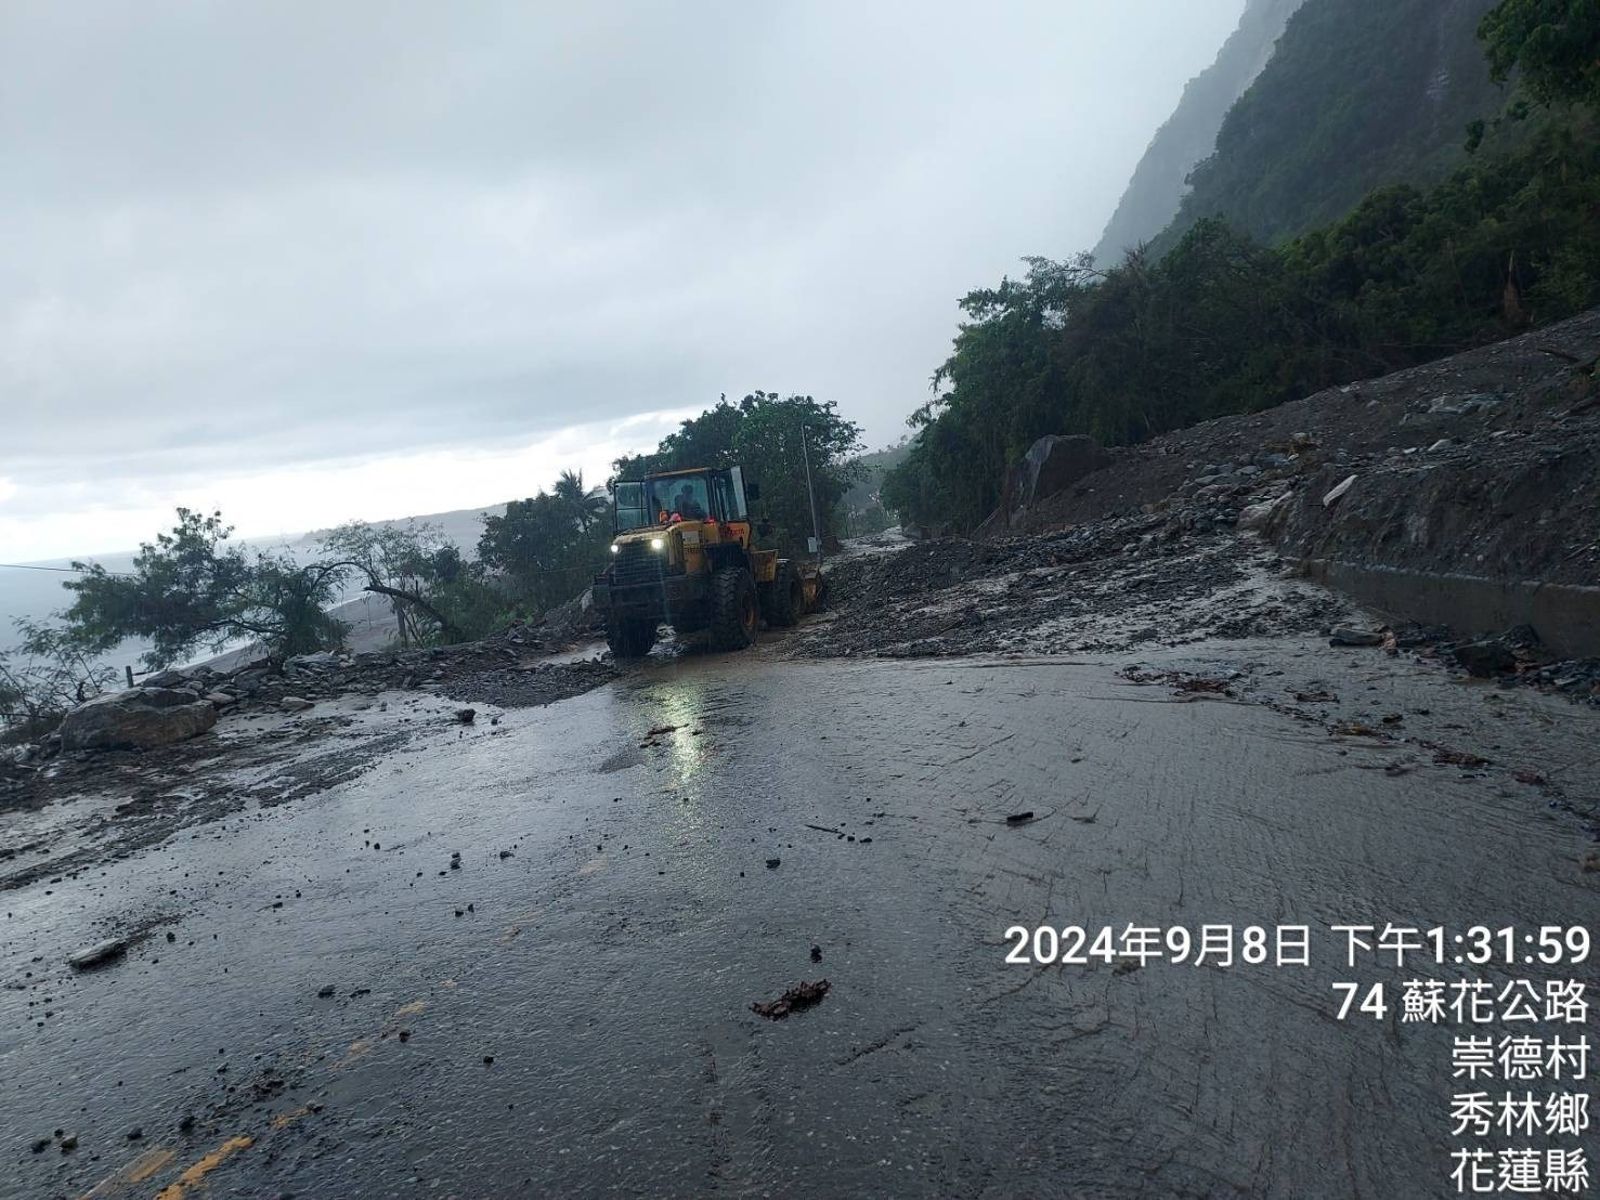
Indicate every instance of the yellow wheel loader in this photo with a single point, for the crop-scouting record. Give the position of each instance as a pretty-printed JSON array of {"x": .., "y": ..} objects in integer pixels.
[{"x": 685, "y": 555}]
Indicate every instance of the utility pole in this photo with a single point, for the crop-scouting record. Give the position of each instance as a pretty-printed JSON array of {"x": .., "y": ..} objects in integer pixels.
[{"x": 816, "y": 527}]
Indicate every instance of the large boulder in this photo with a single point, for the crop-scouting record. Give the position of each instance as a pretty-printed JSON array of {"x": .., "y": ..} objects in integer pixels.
[
  {"x": 137, "y": 719},
  {"x": 1055, "y": 463},
  {"x": 1052, "y": 464}
]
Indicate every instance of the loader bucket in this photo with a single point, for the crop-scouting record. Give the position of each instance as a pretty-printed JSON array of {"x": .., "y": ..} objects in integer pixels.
[{"x": 815, "y": 585}]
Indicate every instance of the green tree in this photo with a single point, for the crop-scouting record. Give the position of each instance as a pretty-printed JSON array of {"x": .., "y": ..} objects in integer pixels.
[
  {"x": 1553, "y": 45},
  {"x": 413, "y": 566},
  {"x": 774, "y": 441},
  {"x": 548, "y": 546},
  {"x": 1223, "y": 324},
  {"x": 703, "y": 441},
  {"x": 189, "y": 590},
  {"x": 583, "y": 506},
  {"x": 1002, "y": 387},
  {"x": 770, "y": 436}
]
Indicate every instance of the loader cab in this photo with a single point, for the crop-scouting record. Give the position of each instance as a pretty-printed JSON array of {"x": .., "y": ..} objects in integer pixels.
[{"x": 671, "y": 496}]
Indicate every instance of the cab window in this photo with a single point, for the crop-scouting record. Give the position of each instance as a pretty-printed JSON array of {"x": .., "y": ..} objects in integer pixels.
[
  {"x": 686, "y": 497},
  {"x": 631, "y": 510},
  {"x": 728, "y": 498}
]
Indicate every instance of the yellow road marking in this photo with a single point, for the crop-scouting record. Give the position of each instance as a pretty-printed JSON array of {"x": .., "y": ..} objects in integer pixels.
[
  {"x": 140, "y": 1169},
  {"x": 198, "y": 1170},
  {"x": 289, "y": 1118}
]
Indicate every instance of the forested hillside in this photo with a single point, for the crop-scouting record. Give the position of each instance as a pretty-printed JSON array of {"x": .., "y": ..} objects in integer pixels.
[
  {"x": 1190, "y": 134},
  {"x": 1230, "y": 321},
  {"x": 1357, "y": 95}
]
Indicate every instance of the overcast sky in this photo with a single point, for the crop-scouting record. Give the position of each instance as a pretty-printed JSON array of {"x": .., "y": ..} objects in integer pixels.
[{"x": 311, "y": 262}]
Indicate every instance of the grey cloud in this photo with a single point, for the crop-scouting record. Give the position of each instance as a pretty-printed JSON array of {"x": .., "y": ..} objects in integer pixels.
[{"x": 269, "y": 233}]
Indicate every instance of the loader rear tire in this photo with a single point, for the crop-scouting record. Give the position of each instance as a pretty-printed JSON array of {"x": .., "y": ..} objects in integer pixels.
[
  {"x": 630, "y": 637},
  {"x": 735, "y": 613},
  {"x": 785, "y": 597}
]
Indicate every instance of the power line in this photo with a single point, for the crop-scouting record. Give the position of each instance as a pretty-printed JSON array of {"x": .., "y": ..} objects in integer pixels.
[{"x": 63, "y": 570}]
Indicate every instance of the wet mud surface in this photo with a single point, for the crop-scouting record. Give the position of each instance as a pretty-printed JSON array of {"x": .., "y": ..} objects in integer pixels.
[
  {"x": 1110, "y": 585},
  {"x": 520, "y": 957},
  {"x": 73, "y": 811}
]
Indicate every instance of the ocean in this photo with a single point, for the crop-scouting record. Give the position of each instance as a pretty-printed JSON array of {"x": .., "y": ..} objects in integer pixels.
[{"x": 33, "y": 591}]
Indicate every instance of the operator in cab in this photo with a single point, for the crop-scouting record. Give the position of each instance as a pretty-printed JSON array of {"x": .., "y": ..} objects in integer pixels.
[{"x": 685, "y": 507}]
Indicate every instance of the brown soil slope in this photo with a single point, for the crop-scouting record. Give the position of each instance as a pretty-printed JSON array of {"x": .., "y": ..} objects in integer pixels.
[{"x": 1485, "y": 463}]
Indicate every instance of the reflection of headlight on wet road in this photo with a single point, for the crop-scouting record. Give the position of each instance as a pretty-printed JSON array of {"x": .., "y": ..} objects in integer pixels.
[{"x": 657, "y": 543}]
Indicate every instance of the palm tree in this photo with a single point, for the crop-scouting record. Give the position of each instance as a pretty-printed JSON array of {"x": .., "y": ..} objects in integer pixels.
[{"x": 582, "y": 505}]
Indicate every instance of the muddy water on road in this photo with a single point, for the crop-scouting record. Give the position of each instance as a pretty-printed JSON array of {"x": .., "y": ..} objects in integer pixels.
[{"x": 613, "y": 916}]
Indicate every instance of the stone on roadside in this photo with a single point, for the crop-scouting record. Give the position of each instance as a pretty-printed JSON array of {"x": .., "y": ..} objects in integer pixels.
[
  {"x": 137, "y": 718},
  {"x": 294, "y": 704},
  {"x": 1346, "y": 636},
  {"x": 1491, "y": 656},
  {"x": 97, "y": 954},
  {"x": 1255, "y": 516},
  {"x": 322, "y": 658},
  {"x": 1338, "y": 490},
  {"x": 20, "y": 755}
]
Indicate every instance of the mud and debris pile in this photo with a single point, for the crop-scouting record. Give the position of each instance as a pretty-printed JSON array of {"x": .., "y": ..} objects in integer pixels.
[
  {"x": 575, "y": 621},
  {"x": 156, "y": 728},
  {"x": 1168, "y": 578},
  {"x": 1484, "y": 463},
  {"x": 497, "y": 670}
]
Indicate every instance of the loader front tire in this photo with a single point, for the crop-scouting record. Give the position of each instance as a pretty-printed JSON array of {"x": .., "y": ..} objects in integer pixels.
[
  {"x": 735, "y": 612},
  {"x": 785, "y": 597},
  {"x": 630, "y": 637}
]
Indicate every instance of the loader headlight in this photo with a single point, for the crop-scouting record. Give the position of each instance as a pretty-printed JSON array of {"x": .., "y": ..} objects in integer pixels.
[
  {"x": 658, "y": 543},
  {"x": 615, "y": 548}
]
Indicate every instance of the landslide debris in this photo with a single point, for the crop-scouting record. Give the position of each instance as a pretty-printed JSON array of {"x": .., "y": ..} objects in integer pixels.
[
  {"x": 1106, "y": 585},
  {"x": 272, "y": 734},
  {"x": 1484, "y": 463}
]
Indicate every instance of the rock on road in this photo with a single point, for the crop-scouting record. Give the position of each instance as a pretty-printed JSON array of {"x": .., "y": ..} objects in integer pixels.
[{"x": 564, "y": 1007}]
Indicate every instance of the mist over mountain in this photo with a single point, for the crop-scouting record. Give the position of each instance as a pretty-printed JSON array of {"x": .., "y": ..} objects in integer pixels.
[
  {"x": 1355, "y": 96},
  {"x": 1190, "y": 134}
]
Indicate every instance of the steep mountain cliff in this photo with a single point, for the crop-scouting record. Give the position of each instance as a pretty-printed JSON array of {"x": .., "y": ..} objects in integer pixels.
[
  {"x": 1190, "y": 134},
  {"x": 1357, "y": 95}
]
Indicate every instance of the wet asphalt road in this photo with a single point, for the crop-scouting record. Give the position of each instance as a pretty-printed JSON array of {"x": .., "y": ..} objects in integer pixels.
[{"x": 607, "y": 964}]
